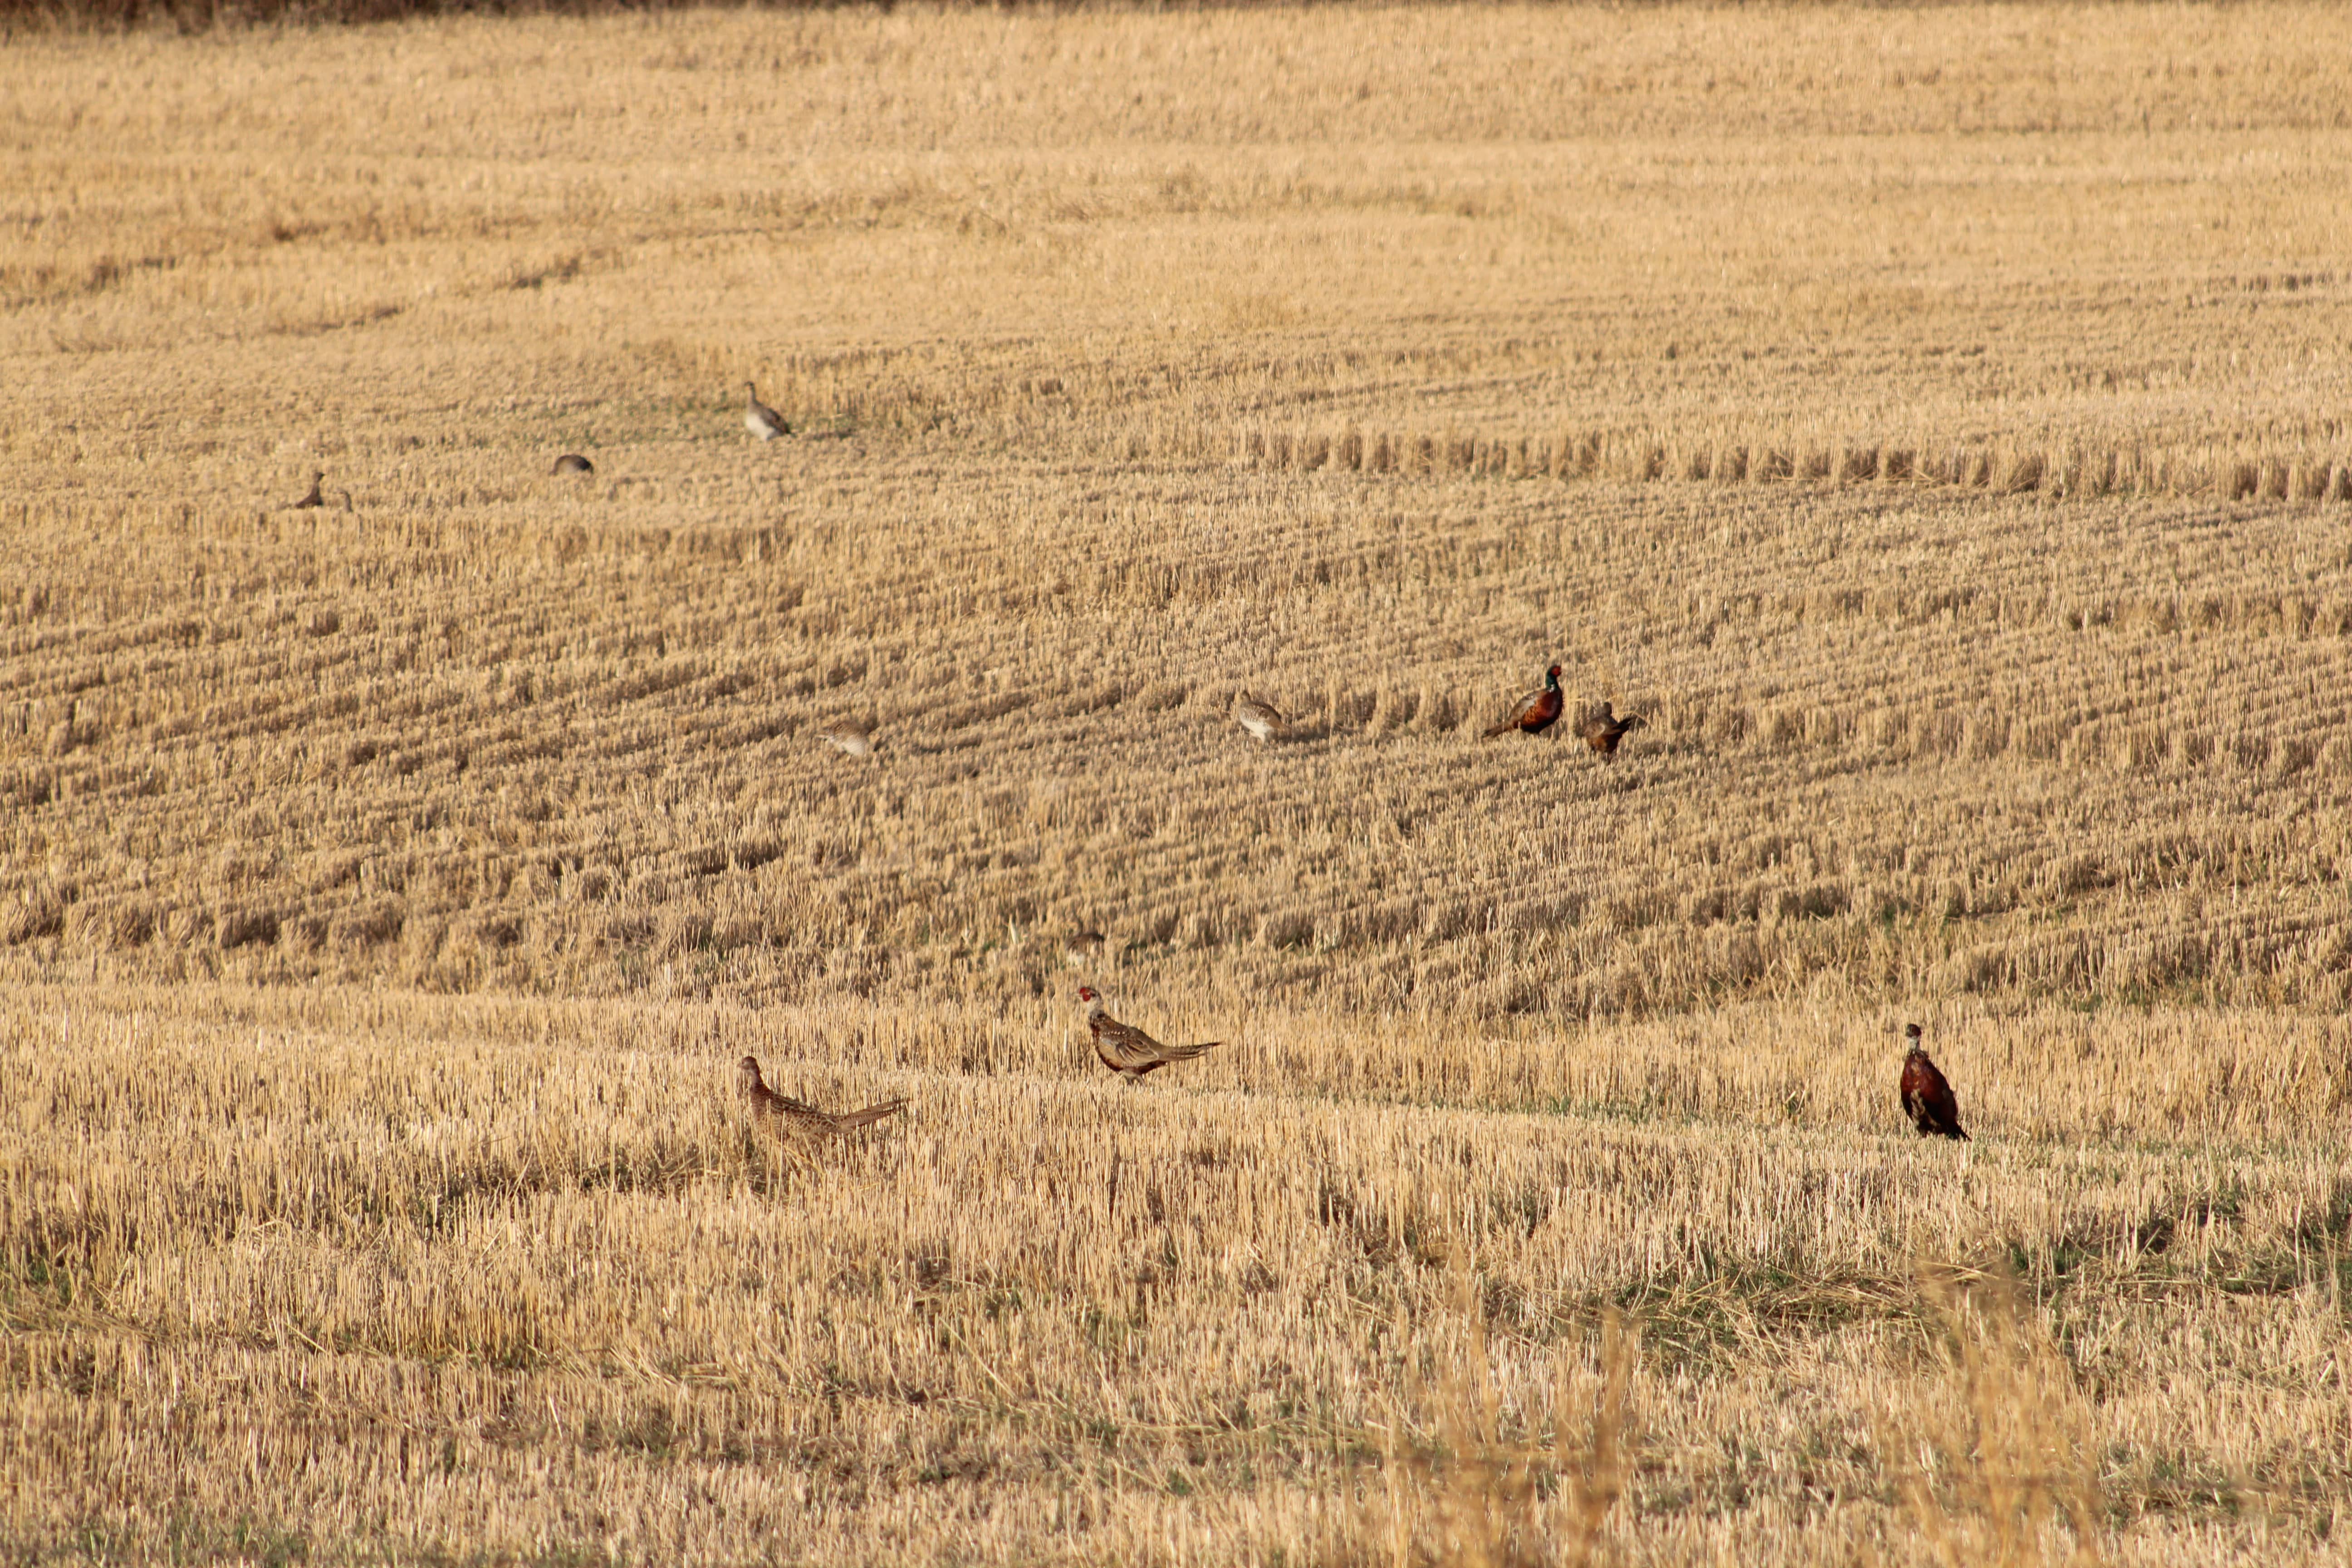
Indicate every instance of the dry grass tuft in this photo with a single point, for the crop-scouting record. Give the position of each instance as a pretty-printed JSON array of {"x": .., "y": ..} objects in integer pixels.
[
  {"x": 2008, "y": 1472},
  {"x": 1482, "y": 1486}
]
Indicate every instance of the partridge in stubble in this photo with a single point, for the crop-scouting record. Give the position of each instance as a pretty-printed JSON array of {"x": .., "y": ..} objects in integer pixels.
[
  {"x": 778, "y": 1111},
  {"x": 1128, "y": 1050},
  {"x": 1535, "y": 712},
  {"x": 761, "y": 420},
  {"x": 1262, "y": 719},
  {"x": 1602, "y": 730},
  {"x": 1928, "y": 1100},
  {"x": 314, "y": 498},
  {"x": 849, "y": 736}
]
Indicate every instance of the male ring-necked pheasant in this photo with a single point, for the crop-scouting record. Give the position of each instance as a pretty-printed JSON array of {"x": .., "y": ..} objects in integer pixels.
[
  {"x": 1535, "y": 712},
  {"x": 1602, "y": 730},
  {"x": 778, "y": 1111},
  {"x": 1128, "y": 1050},
  {"x": 1927, "y": 1098}
]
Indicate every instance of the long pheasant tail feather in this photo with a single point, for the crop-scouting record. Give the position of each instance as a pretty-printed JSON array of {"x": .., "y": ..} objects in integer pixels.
[{"x": 849, "y": 1119}]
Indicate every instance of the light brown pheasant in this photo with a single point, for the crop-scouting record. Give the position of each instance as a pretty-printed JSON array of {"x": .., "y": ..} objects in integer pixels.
[
  {"x": 1128, "y": 1050},
  {"x": 1927, "y": 1098},
  {"x": 778, "y": 1113},
  {"x": 1535, "y": 712},
  {"x": 1602, "y": 730}
]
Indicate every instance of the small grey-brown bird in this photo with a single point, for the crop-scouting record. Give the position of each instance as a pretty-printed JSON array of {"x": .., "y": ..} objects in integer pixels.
[
  {"x": 1083, "y": 946},
  {"x": 761, "y": 420},
  {"x": 1262, "y": 719},
  {"x": 778, "y": 1111},
  {"x": 1928, "y": 1100},
  {"x": 847, "y": 735},
  {"x": 572, "y": 463},
  {"x": 1602, "y": 730},
  {"x": 314, "y": 498},
  {"x": 1128, "y": 1050}
]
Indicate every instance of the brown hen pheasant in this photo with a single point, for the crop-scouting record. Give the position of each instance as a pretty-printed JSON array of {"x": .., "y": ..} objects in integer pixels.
[
  {"x": 1601, "y": 729},
  {"x": 1128, "y": 1050},
  {"x": 1927, "y": 1098},
  {"x": 778, "y": 1111}
]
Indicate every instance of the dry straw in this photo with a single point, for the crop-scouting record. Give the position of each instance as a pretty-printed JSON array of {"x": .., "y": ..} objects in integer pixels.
[{"x": 389, "y": 888}]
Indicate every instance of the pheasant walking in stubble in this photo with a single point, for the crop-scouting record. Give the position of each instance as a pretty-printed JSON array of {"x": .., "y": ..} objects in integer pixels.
[
  {"x": 1128, "y": 1050},
  {"x": 1535, "y": 712},
  {"x": 314, "y": 498},
  {"x": 1602, "y": 730},
  {"x": 761, "y": 420},
  {"x": 778, "y": 1111},
  {"x": 1928, "y": 1100}
]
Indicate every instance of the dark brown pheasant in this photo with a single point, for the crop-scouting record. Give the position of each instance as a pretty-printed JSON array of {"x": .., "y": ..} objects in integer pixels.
[
  {"x": 1128, "y": 1050},
  {"x": 1926, "y": 1099},
  {"x": 778, "y": 1111},
  {"x": 1602, "y": 730},
  {"x": 1535, "y": 712}
]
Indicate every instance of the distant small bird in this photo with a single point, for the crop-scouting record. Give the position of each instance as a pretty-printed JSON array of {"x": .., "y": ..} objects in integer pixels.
[
  {"x": 1260, "y": 717},
  {"x": 1926, "y": 1099},
  {"x": 848, "y": 735},
  {"x": 1128, "y": 1050},
  {"x": 1083, "y": 947},
  {"x": 1536, "y": 712},
  {"x": 761, "y": 420},
  {"x": 314, "y": 498},
  {"x": 1602, "y": 730},
  {"x": 777, "y": 1111},
  {"x": 572, "y": 463}
]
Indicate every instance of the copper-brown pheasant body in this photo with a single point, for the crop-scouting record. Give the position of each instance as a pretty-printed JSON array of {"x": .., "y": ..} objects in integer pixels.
[
  {"x": 781, "y": 1110},
  {"x": 1534, "y": 714},
  {"x": 1128, "y": 1050},
  {"x": 1927, "y": 1098}
]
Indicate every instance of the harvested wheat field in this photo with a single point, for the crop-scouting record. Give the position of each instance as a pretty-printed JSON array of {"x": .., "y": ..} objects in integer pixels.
[{"x": 1932, "y": 422}]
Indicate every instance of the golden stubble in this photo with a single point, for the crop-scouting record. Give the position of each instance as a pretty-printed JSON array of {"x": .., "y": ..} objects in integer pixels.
[{"x": 1929, "y": 421}]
